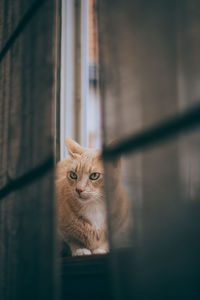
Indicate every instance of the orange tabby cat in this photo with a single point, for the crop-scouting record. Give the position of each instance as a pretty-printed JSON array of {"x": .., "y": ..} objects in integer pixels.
[{"x": 81, "y": 201}]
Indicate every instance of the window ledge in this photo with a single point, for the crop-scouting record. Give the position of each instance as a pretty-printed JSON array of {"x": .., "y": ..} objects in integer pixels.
[{"x": 85, "y": 277}]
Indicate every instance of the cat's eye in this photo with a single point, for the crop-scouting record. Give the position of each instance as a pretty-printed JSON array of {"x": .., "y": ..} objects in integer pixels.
[
  {"x": 73, "y": 175},
  {"x": 94, "y": 176}
]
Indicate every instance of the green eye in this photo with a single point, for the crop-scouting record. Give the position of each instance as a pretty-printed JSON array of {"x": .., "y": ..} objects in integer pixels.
[
  {"x": 94, "y": 176},
  {"x": 73, "y": 175}
]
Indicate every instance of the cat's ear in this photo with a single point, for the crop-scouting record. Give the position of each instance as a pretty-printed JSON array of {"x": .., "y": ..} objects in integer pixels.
[{"x": 73, "y": 147}]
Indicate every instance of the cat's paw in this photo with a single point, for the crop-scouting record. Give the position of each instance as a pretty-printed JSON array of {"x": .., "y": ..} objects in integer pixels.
[
  {"x": 99, "y": 251},
  {"x": 81, "y": 251}
]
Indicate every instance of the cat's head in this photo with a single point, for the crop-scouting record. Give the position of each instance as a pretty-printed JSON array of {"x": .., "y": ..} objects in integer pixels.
[{"x": 85, "y": 172}]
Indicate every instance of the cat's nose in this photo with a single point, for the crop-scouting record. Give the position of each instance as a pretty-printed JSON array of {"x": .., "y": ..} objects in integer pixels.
[{"x": 79, "y": 190}]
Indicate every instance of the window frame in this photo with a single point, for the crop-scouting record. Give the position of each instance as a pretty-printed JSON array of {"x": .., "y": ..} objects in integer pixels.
[{"x": 74, "y": 74}]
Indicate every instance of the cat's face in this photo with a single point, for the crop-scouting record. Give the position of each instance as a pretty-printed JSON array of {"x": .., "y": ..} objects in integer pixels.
[{"x": 85, "y": 174}]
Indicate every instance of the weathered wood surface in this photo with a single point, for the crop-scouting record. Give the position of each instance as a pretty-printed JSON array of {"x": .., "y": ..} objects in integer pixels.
[
  {"x": 149, "y": 70},
  {"x": 11, "y": 13},
  {"x": 85, "y": 277},
  {"x": 159, "y": 46},
  {"x": 27, "y": 100},
  {"x": 26, "y": 242},
  {"x": 27, "y": 89}
]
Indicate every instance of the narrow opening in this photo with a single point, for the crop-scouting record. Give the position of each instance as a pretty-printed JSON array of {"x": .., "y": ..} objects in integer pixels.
[
  {"x": 81, "y": 175},
  {"x": 79, "y": 112}
]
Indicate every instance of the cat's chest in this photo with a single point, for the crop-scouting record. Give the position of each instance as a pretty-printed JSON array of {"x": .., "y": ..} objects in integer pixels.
[{"x": 95, "y": 214}]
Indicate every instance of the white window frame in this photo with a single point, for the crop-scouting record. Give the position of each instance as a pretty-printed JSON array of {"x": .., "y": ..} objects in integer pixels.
[{"x": 68, "y": 116}]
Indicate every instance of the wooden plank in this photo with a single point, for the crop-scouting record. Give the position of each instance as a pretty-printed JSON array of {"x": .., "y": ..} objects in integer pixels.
[
  {"x": 138, "y": 89},
  {"x": 189, "y": 93},
  {"x": 149, "y": 70},
  {"x": 27, "y": 96},
  {"x": 139, "y": 69},
  {"x": 26, "y": 247},
  {"x": 93, "y": 276},
  {"x": 89, "y": 273},
  {"x": 27, "y": 100},
  {"x": 11, "y": 13},
  {"x": 4, "y": 76}
]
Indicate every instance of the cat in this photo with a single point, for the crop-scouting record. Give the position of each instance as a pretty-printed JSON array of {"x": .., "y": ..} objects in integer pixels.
[{"x": 81, "y": 205}]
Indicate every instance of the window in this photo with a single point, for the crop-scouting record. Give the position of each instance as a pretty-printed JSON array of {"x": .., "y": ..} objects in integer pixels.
[{"x": 80, "y": 103}]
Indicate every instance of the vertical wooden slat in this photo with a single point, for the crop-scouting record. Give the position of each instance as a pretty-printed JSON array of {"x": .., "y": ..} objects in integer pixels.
[
  {"x": 25, "y": 73},
  {"x": 27, "y": 111},
  {"x": 149, "y": 70},
  {"x": 11, "y": 14},
  {"x": 188, "y": 48},
  {"x": 27, "y": 235}
]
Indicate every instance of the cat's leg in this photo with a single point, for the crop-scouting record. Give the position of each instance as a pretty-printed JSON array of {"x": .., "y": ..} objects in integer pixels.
[
  {"x": 81, "y": 251},
  {"x": 77, "y": 250},
  {"x": 104, "y": 248}
]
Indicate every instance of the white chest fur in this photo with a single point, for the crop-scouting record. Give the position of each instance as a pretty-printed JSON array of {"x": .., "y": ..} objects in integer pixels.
[{"x": 95, "y": 213}]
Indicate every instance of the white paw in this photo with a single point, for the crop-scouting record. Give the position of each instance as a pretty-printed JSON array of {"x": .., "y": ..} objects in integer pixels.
[
  {"x": 99, "y": 251},
  {"x": 81, "y": 251}
]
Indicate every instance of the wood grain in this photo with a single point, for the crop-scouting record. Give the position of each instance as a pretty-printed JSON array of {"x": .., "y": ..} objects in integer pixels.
[
  {"x": 149, "y": 70},
  {"x": 26, "y": 247},
  {"x": 27, "y": 109},
  {"x": 26, "y": 95},
  {"x": 11, "y": 13}
]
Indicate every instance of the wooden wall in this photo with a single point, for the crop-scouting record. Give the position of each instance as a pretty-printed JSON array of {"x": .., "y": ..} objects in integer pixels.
[
  {"x": 28, "y": 42},
  {"x": 149, "y": 72}
]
